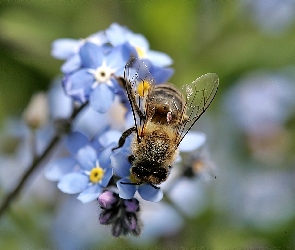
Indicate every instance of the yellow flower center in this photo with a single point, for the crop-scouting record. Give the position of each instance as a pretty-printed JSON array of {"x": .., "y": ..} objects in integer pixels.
[
  {"x": 140, "y": 52},
  {"x": 96, "y": 174},
  {"x": 142, "y": 88}
]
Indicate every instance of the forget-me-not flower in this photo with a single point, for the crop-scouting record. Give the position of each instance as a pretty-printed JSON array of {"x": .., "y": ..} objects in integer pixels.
[
  {"x": 96, "y": 80},
  {"x": 118, "y": 35},
  {"x": 87, "y": 170},
  {"x": 68, "y": 49},
  {"x": 90, "y": 178}
]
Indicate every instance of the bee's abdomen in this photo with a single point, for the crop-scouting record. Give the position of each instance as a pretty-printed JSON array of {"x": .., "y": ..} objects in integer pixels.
[
  {"x": 167, "y": 92},
  {"x": 155, "y": 149},
  {"x": 166, "y": 105}
]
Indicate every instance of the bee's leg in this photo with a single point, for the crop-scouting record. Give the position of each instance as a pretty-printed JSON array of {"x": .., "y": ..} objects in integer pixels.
[
  {"x": 131, "y": 97},
  {"x": 124, "y": 136}
]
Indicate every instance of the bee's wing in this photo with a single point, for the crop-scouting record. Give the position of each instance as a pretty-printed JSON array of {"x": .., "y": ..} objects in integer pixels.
[
  {"x": 198, "y": 95},
  {"x": 139, "y": 83}
]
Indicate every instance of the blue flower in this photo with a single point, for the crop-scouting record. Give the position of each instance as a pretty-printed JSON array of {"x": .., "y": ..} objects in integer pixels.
[
  {"x": 96, "y": 80},
  {"x": 65, "y": 48},
  {"x": 68, "y": 49},
  {"x": 121, "y": 166},
  {"x": 160, "y": 74},
  {"x": 273, "y": 17},
  {"x": 85, "y": 172},
  {"x": 60, "y": 104},
  {"x": 88, "y": 168},
  {"x": 118, "y": 35},
  {"x": 64, "y": 165},
  {"x": 89, "y": 178}
]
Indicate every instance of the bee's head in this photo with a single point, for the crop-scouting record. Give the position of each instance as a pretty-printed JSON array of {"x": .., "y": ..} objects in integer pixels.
[{"x": 152, "y": 175}]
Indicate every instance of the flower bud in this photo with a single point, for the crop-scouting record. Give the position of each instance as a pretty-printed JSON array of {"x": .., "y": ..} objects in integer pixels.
[
  {"x": 131, "y": 221},
  {"x": 108, "y": 199},
  {"x": 117, "y": 228},
  {"x": 106, "y": 217},
  {"x": 131, "y": 205},
  {"x": 36, "y": 114}
]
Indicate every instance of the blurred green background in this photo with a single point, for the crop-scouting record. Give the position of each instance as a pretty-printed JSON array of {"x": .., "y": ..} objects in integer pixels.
[{"x": 230, "y": 38}]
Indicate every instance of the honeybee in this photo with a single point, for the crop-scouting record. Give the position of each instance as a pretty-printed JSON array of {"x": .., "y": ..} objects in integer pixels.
[{"x": 163, "y": 115}]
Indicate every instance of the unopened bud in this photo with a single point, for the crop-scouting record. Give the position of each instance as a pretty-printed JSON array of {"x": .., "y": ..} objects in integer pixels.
[
  {"x": 106, "y": 217},
  {"x": 36, "y": 114},
  {"x": 117, "y": 228},
  {"x": 131, "y": 205},
  {"x": 108, "y": 199},
  {"x": 131, "y": 221}
]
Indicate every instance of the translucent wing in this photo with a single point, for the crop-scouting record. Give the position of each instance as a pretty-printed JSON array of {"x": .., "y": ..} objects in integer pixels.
[
  {"x": 139, "y": 83},
  {"x": 198, "y": 95}
]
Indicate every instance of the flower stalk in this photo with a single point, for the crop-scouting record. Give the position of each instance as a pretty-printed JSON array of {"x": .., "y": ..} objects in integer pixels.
[{"x": 10, "y": 197}]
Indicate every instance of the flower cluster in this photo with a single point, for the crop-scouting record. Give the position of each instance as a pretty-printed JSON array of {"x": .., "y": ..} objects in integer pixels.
[
  {"x": 120, "y": 213},
  {"x": 94, "y": 64},
  {"x": 91, "y": 168}
]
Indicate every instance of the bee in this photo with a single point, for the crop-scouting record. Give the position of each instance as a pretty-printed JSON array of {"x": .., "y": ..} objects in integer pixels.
[{"x": 163, "y": 115}]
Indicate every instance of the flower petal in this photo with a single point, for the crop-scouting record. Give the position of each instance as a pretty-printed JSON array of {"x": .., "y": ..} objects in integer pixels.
[
  {"x": 56, "y": 169},
  {"x": 73, "y": 183},
  {"x": 63, "y": 48},
  {"x": 192, "y": 141},
  {"x": 104, "y": 157},
  {"x": 60, "y": 104},
  {"x": 98, "y": 38},
  {"x": 78, "y": 85},
  {"x": 182, "y": 193},
  {"x": 87, "y": 157},
  {"x": 118, "y": 57},
  {"x": 162, "y": 75},
  {"x": 109, "y": 137},
  {"x": 107, "y": 176},
  {"x": 138, "y": 40},
  {"x": 120, "y": 164},
  {"x": 91, "y": 55},
  {"x": 126, "y": 191},
  {"x": 75, "y": 141},
  {"x": 89, "y": 122},
  {"x": 149, "y": 193},
  {"x": 90, "y": 193},
  {"x": 116, "y": 34},
  {"x": 159, "y": 58},
  {"x": 101, "y": 98},
  {"x": 72, "y": 64}
]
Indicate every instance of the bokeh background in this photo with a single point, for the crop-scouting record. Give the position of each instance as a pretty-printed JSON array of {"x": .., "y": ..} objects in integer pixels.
[{"x": 250, "y": 126}]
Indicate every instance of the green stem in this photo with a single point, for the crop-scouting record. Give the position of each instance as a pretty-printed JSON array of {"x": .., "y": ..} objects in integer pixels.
[{"x": 8, "y": 199}]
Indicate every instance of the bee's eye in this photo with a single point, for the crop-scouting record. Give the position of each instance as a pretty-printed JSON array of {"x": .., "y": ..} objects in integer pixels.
[
  {"x": 161, "y": 174},
  {"x": 153, "y": 176},
  {"x": 140, "y": 171}
]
